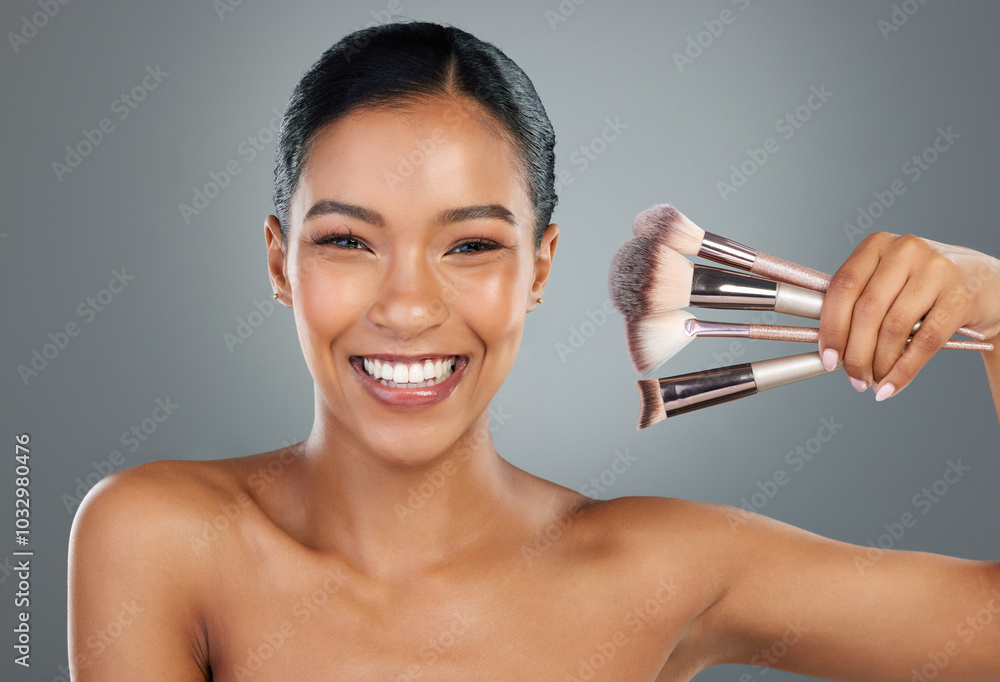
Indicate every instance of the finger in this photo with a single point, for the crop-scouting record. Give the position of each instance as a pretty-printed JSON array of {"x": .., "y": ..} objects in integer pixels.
[
  {"x": 939, "y": 324},
  {"x": 845, "y": 287},
  {"x": 870, "y": 309},
  {"x": 917, "y": 297}
]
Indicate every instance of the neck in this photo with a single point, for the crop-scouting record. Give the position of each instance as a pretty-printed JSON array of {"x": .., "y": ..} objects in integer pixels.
[{"x": 386, "y": 518}]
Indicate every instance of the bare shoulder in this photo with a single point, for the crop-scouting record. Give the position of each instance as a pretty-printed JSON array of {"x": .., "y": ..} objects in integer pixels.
[
  {"x": 156, "y": 494},
  {"x": 135, "y": 596}
]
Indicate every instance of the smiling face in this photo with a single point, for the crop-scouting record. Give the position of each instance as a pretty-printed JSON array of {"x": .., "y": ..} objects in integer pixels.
[{"x": 410, "y": 266}]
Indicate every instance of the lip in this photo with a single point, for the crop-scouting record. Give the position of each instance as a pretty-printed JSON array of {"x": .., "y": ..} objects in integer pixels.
[{"x": 408, "y": 397}]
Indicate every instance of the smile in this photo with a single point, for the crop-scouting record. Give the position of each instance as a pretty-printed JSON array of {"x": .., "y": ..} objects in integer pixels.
[
  {"x": 410, "y": 374},
  {"x": 408, "y": 382}
]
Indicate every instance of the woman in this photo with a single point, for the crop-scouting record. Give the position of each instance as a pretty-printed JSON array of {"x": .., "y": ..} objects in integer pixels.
[{"x": 413, "y": 193}]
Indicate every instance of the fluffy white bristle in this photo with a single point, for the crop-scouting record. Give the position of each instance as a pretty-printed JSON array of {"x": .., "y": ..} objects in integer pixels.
[
  {"x": 678, "y": 231},
  {"x": 654, "y": 339},
  {"x": 647, "y": 277}
]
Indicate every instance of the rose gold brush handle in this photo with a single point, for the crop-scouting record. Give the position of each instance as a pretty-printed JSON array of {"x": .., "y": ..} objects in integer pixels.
[
  {"x": 724, "y": 250},
  {"x": 772, "y": 332},
  {"x": 782, "y": 270}
]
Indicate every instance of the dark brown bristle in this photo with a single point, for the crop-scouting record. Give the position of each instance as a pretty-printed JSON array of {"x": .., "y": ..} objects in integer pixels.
[
  {"x": 651, "y": 408},
  {"x": 647, "y": 277},
  {"x": 671, "y": 227},
  {"x": 653, "y": 217},
  {"x": 630, "y": 274}
]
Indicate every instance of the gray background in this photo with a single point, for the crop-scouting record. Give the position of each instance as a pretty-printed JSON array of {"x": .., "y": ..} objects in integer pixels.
[{"x": 564, "y": 416}]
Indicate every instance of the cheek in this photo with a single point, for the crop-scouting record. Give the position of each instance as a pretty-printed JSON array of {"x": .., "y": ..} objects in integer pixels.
[
  {"x": 328, "y": 299},
  {"x": 493, "y": 306}
]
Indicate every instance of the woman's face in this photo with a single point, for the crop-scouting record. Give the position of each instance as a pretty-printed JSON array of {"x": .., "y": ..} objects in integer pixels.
[{"x": 410, "y": 265}]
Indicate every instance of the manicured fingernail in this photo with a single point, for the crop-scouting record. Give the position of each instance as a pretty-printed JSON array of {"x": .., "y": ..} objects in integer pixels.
[
  {"x": 830, "y": 359},
  {"x": 884, "y": 391},
  {"x": 859, "y": 386}
]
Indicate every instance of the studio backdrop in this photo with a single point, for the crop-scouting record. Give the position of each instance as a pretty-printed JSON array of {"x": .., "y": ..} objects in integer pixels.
[{"x": 138, "y": 323}]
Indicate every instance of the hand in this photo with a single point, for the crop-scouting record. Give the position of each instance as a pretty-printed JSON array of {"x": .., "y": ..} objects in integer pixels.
[{"x": 888, "y": 284}]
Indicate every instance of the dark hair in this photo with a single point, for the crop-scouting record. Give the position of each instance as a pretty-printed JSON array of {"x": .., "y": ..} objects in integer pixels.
[{"x": 401, "y": 63}]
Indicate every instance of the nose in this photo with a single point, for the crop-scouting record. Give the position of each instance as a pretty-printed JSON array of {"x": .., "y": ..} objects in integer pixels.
[{"x": 412, "y": 297}]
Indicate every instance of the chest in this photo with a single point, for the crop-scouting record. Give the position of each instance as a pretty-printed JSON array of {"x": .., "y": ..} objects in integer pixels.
[{"x": 311, "y": 624}]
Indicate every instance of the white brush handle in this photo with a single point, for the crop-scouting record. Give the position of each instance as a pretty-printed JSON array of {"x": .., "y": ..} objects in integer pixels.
[
  {"x": 777, "y": 372},
  {"x": 798, "y": 301}
]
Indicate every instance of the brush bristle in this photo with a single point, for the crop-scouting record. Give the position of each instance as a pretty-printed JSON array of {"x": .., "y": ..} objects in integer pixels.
[
  {"x": 654, "y": 339},
  {"x": 647, "y": 277},
  {"x": 678, "y": 231},
  {"x": 651, "y": 408}
]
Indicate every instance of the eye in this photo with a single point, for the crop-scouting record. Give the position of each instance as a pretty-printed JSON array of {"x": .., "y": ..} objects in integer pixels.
[
  {"x": 340, "y": 239},
  {"x": 475, "y": 246}
]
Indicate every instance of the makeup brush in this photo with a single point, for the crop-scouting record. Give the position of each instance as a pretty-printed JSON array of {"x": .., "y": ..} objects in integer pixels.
[
  {"x": 671, "y": 396},
  {"x": 654, "y": 339},
  {"x": 681, "y": 234},
  {"x": 648, "y": 277}
]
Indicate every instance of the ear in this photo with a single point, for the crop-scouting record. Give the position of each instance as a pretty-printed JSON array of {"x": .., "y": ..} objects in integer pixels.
[
  {"x": 276, "y": 259},
  {"x": 543, "y": 264}
]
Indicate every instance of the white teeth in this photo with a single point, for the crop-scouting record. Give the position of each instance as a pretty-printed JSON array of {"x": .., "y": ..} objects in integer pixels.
[{"x": 412, "y": 375}]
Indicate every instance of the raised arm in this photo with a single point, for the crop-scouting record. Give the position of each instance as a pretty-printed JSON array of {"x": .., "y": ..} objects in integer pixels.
[
  {"x": 889, "y": 283},
  {"x": 803, "y": 603}
]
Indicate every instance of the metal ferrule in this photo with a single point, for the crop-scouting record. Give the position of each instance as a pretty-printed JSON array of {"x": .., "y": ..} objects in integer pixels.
[
  {"x": 724, "y": 250},
  {"x": 787, "y": 370},
  {"x": 713, "y": 287},
  {"x": 689, "y": 392},
  {"x": 694, "y": 327},
  {"x": 794, "y": 300}
]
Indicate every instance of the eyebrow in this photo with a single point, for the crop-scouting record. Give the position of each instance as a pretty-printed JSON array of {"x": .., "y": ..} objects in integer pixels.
[{"x": 451, "y": 215}]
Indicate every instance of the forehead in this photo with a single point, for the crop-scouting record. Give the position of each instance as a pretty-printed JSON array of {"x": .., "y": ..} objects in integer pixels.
[{"x": 422, "y": 156}]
